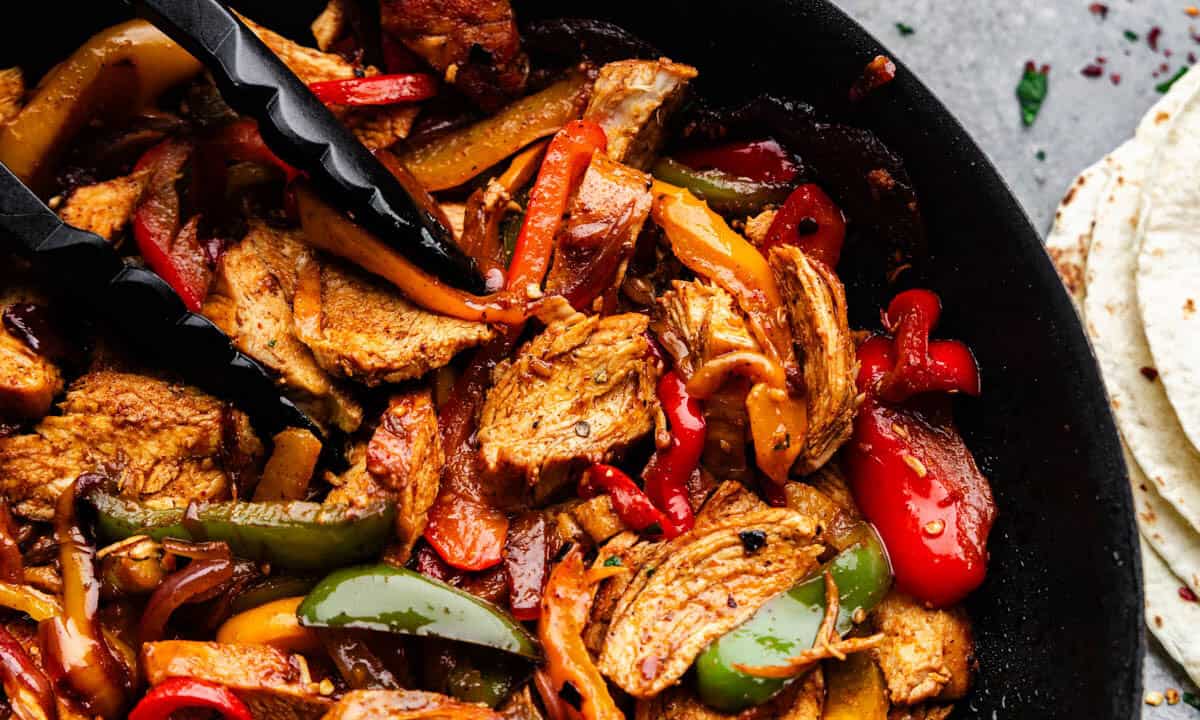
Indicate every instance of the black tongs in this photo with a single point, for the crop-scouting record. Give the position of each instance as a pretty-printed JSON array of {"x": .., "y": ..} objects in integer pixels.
[
  {"x": 301, "y": 130},
  {"x": 140, "y": 305}
]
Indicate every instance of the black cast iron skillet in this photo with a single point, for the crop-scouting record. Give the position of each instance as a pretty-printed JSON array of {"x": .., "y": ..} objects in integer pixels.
[{"x": 1058, "y": 622}]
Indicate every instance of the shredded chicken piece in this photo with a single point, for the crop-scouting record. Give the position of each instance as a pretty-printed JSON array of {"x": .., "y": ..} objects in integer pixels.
[
  {"x": 105, "y": 208},
  {"x": 697, "y": 587},
  {"x": 383, "y": 126},
  {"x": 309, "y": 64},
  {"x": 251, "y": 301},
  {"x": 331, "y": 25},
  {"x": 28, "y": 381},
  {"x": 12, "y": 93},
  {"x": 757, "y": 226},
  {"x": 360, "y": 328},
  {"x": 405, "y": 457},
  {"x": 632, "y": 100},
  {"x": 925, "y": 654},
  {"x": 273, "y": 684},
  {"x": 165, "y": 443},
  {"x": 816, "y": 303},
  {"x": 580, "y": 391},
  {"x": 921, "y": 712}
]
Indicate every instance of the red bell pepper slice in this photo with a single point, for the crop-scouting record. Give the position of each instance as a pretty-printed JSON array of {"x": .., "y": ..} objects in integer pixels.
[
  {"x": 180, "y": 693},
  {"x": 667, "y": 474},
  {"x": 527, "y": 560},
  {"x": 567, "y": 158},
  {"x": 811, "y": 221},
  {"x": 923, "y": 366},
  {"x": 629, "y": 501},
  {"x": 173, "y": 252},
  {"x": 916, "y": 481},
  {"x": 468, "y": 534},
  {"x": 758, "y": 160},
  {"x": 376, "y": 90}
]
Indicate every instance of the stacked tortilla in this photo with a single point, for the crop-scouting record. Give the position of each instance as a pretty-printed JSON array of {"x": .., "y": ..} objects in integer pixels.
[{"x": 1126, "y": 241}]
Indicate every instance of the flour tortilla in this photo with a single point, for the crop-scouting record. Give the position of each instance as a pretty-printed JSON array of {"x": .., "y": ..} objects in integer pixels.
[
  {"x": 1071, "y": 233},
  {"x": 1168, "y": 267},
  {"x": 1143, "y": 412},
  {"x": 1172, "y": 619},
  {"x": 1164, "y": 529}
]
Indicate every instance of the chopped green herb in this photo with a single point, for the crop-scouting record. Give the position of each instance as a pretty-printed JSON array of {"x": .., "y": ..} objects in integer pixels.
[
  {"x": 650, "y": 572},
  {"x": 1031, "y": 91},
  {"x": 1131, "y": 36},
  {"x": 904, "y": 29},
  {"x": 1192, "y": 699},
  {"x": 1040, "y": 155},
  {"x": 271, "y": 343},
  {"x": 613, "y": 561},
  {"x": 1165, "y": 85}
]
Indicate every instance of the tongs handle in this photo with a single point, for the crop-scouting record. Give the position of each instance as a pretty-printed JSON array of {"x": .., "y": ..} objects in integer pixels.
[
  {"x": 143, "y": 307},
  {"x": 302, "y": 131}
]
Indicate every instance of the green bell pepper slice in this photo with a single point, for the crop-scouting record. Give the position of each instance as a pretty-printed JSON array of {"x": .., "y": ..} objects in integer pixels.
[
  {"x": 723, "y": 192},
  {"x": 382, "y": 597},
  {"x": 788, "y": 624},
  {"x": 294, "y": 535}
]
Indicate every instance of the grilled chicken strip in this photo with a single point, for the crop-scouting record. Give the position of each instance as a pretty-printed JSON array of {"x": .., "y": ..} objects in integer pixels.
[
  {"x": 273, "y": 684},
  {"x": 580, "y": 391},
  {"x": 163, "y": 442},
  {"x": 632, "y": 100}
]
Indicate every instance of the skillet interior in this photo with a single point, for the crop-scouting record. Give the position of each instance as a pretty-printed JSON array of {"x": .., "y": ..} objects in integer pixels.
[{"x": 1059, "y": 618}]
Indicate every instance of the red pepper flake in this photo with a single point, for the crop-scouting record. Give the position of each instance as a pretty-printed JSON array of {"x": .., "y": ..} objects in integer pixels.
[
  {"x": 1092, "y": 71},
  {"x": 1152, "y": 37},
  {"x": 1164, "y": 67},
  {"x": 1193, "y": 34},
  {"x": 1149, "y": 373},
  {"x": 1167, "y": 52},
  {"x": 1116, "y": 78},
  {"x": 1098, "y": 9},
  {"x": 1101, "y": 59},
  {"x": 879, "y": 72},
  {"x": 1186, "y": 593},
  {"x": 1191, "y": 58}
]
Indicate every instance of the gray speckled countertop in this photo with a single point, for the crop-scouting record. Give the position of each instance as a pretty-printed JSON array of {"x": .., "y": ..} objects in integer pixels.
[{"x": 971, "y": 52}]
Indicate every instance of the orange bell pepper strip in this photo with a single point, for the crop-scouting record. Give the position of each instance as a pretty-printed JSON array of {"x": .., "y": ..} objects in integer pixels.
[
  {"x": 570, "y": 670},
  {"x": 705, "y": 243},
  {"x": 333, "y": 232},
  {"x": 274, "y": 624},
  {"x": 117, "y": 72},
  {"x": 566, "y": 160}
]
